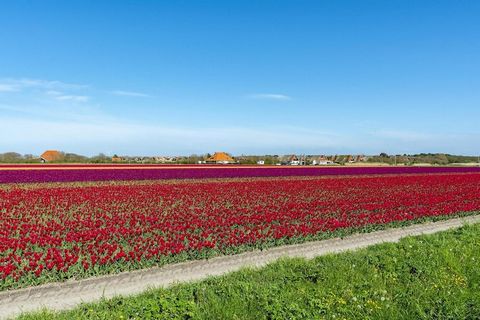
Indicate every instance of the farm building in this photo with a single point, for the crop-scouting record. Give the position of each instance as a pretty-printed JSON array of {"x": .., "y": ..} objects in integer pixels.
[
  {"x": 221, "y": 158},
  {"x": 116, "y": 159},
  {"x": 51, "y": 156},
  {"x": 321, "y": 161},
  {"x": 163, "y": 159},
  {"x": 290, "y": 160}
]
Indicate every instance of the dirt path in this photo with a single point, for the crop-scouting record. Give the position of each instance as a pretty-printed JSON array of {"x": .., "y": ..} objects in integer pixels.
[{"x": 69, "y": 294}]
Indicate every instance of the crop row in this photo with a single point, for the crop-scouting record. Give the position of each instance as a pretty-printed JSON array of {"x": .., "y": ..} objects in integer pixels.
[
  {"x": 55, "y": 233},
  {"x": 70, "y": 174}
]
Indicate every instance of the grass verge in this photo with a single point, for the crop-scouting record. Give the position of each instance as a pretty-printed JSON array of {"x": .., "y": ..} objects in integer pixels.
[{"x": 426, "y": 277}]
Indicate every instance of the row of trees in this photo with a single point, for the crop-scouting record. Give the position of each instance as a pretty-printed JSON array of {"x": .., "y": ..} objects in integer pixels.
[
  {"x": 14, "y": 157},
  {"x": 430, "y": 158}
]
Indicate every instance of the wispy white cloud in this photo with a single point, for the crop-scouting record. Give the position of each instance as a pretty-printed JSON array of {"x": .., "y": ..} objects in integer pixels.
[
  {"x": 10, "y": 84},
  {"x": 90, "y": 136},
  {"x": 269, "y": 96},
  {"x": 5, "y": 87},
  {"x": 73, "y": 98},
  {"x": 88, "y": 132},
  {"x": 53, "y": 92},
  {"x": 61, "y": 112},
  {"x": 129, "y": 93},
  {"x": 60, "y": 96}
]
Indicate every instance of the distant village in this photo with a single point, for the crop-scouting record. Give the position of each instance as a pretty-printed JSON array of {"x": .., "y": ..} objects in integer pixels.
[
  {"x": 52, "y": 156},
  {"x": 55, "y": 156}
]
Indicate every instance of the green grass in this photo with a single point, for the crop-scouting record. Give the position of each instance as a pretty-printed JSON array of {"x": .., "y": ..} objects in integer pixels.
[{"x": 427, "y": 277}]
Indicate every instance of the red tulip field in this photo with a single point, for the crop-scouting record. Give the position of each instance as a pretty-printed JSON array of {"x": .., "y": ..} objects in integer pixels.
[{"x": 54, "y": 231}]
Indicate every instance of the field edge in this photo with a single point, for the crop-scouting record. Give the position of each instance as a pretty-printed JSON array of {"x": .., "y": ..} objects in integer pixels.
[{"x": 48, "y": 295}]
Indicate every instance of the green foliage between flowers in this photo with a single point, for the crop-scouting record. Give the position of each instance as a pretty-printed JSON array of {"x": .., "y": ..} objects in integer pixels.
[
  {"x": 78, "y": 272},
  {"x": 427, "y": 277}
]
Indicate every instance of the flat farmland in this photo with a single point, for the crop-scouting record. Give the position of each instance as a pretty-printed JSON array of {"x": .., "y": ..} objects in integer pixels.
[
  {"x": 69, "y": 223},
  {"x": 70, "y": 173}
]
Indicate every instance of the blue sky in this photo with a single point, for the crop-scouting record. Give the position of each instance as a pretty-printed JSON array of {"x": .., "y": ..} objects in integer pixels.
[{"x": 183, "y": 77}]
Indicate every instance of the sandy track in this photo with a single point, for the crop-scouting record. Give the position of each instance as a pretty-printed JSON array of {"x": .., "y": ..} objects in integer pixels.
[{"x": 66, "y": 295}]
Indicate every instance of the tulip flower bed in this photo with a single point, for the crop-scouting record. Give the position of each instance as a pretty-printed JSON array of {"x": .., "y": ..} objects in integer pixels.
[
  {"x": 51, "y": 231},
  {"x": 70, "y": 173},
  {"x": 425, "y": 277}
]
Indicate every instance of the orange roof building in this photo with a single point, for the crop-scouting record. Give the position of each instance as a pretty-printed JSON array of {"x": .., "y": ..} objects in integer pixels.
[
  {"x": 51, "y": 156},
  {"x": 220, "y": 157},
  {"x": 116, "y": 159}
]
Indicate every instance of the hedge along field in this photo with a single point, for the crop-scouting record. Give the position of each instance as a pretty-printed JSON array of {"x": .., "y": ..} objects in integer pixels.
[
  {"x": 64, "y": 232},
  {"x": 426, "y": 277}
]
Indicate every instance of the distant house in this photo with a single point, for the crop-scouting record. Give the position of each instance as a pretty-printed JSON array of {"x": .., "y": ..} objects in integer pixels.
[
  {"x": 220, "y": 158},
  {"x": 261, "y": 162},
  {"x": 163, "y": 159},
  {"x": 357, "y": 158},
  {"x": 160, "y": 159},
  {"x": 321, "y": 161},
  {"x": 116, "y": 159},
  {"x": 51, "y": 156},
  {"x": 290, "y": 160}
]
